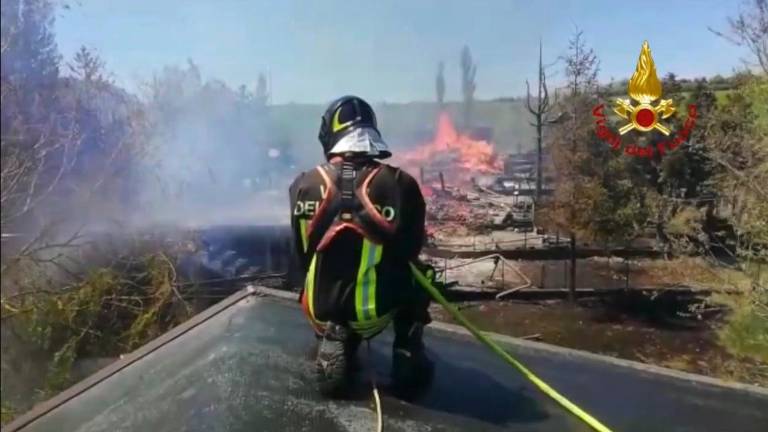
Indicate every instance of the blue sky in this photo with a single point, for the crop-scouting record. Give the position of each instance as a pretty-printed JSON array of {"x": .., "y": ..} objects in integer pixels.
[{"x": 389, "y": 50}]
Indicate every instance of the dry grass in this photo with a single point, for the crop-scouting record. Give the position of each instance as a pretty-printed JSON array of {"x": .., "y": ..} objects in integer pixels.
[
  {"x": 728, "y": 368},
  {"x": 692, "y": 272}
]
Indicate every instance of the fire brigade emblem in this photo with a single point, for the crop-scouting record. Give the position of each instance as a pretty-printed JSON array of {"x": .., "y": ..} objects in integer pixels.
[{"x": 644, "y": 88}]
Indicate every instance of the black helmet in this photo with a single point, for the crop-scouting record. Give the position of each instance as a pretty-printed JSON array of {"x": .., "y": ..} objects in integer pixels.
[{"x": 343, "y": 116}]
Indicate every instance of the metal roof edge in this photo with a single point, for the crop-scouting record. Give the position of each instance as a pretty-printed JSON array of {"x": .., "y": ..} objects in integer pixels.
[{"x": 49, "y": 405}]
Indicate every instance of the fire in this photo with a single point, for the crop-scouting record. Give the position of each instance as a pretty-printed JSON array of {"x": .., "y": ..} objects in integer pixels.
[{"x": 458, "y": 156}]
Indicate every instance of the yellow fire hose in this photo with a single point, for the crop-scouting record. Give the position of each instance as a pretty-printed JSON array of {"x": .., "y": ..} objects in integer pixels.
[{"x": 538, "y": 382}]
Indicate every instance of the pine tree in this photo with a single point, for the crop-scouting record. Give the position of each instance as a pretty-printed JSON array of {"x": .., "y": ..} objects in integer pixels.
[{"x": 88, "y": 67}]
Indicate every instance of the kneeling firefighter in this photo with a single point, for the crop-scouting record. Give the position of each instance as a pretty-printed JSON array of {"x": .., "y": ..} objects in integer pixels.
[{"x": 357, "y": 223}]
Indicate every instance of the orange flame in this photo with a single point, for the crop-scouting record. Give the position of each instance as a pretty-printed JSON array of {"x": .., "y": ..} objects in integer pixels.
[{"x": 457, "y": 155}]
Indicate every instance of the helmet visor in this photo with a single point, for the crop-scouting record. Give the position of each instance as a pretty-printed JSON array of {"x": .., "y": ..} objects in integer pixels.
[{"x": 363, "y": 140}]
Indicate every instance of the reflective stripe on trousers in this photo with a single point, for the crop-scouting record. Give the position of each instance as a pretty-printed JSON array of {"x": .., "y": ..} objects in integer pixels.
[{"x": 368, "y": 323}]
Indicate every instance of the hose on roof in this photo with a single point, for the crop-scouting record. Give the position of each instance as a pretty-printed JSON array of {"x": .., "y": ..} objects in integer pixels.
[{"x": 527, "y": 373}]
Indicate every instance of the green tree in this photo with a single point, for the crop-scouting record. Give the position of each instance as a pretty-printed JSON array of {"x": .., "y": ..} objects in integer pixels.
[
  {"x": 595, "y": 196},
  {"x": 738, "y": 141},
  {"x": 678, "y": 182},
  {"x": 671, "y": 85}
]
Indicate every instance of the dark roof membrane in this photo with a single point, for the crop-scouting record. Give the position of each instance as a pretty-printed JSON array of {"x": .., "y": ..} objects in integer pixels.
[{"x": 247, "y": 366}]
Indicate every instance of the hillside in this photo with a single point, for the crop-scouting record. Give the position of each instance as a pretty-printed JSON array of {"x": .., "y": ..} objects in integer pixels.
[{"x": 405, "y": 125}]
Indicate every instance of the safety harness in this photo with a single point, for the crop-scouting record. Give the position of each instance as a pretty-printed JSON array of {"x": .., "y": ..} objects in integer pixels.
[{"x": 346, "y": 205}]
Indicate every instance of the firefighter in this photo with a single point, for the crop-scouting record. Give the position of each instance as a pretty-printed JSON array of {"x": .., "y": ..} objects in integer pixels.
[{"x": 357, "y": 223}]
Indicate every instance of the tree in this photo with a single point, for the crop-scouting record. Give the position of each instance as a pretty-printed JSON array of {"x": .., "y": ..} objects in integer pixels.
[
  {"x": 468, "y": 86},
  {"x": 440, "y": 85},
  {"x": 542, "y": 118},
  {"x": 737, "y": 138},
  {"x": 671, "y": 84},
  {"x": 262, "y": 92},
  {"x": 750, "y": 29},
  {"x": 581, "y": 67},
  {"x": 738, "y": 141},
  {"x": 88, "y": 67},
  {"x": 37, "y": 146},
  {"x": 595, "y": 197},
  {"x": 10, "y": 21},
  {"x": 38, "y": 60}
]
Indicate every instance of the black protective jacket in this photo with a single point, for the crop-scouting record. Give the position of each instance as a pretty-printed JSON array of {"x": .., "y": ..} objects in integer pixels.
[{"x": 356, "y": 226}]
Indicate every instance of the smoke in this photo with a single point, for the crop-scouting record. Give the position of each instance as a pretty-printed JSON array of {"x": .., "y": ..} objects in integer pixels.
[
  {"x": 216, "y": 155},
  {"x": 183, "y": 151}
]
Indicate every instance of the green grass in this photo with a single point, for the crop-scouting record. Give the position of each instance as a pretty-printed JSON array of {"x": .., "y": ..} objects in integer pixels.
[
  {"x": 746, "y": 332},
  {"x": 8, "y": 413},
  {"x": 722, "y": 95}
]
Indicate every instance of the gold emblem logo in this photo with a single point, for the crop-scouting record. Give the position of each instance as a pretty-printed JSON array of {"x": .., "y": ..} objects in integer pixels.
[{"x": 644, "y": 87}]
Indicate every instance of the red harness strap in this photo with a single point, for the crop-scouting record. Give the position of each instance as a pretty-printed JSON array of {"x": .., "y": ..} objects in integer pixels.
[
  {"x": 362, "y": 195},
  {"x": 330, "y": 194},
  {"x": 336, "y": 227}
]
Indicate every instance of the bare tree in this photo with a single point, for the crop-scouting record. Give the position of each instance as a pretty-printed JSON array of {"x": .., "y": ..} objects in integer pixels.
[
  {"x": 541, "y": 114},
  {"x": 581, "y": 65},
  {"x": 750, "y": 29}
]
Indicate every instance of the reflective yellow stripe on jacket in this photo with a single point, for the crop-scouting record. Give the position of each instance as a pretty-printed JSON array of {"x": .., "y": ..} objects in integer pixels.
[
  {"x": 303, "y": 229},
  {"x": 310, "y": 287},
  {"x": 365, "y": 288}
]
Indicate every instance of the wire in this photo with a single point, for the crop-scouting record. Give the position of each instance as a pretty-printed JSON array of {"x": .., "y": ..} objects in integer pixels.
[{"x": 538, "y": 382}]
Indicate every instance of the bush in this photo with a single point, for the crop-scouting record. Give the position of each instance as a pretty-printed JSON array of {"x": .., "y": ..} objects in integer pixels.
[
  {"x": 125, "y": 297},
  {"x": 746, "y": 331}
]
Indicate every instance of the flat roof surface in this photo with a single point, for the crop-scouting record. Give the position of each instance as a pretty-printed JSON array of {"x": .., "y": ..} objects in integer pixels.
[{"x": 249, "y": 368}]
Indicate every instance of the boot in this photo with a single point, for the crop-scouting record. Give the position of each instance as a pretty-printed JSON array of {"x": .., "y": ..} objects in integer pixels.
[
  {"x": 411, "y": 367},
  {"x": 335, "y": 359}
]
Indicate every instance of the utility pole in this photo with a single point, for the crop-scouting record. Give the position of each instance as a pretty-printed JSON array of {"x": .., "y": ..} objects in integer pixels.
[{"x": 572, "y": 282}]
